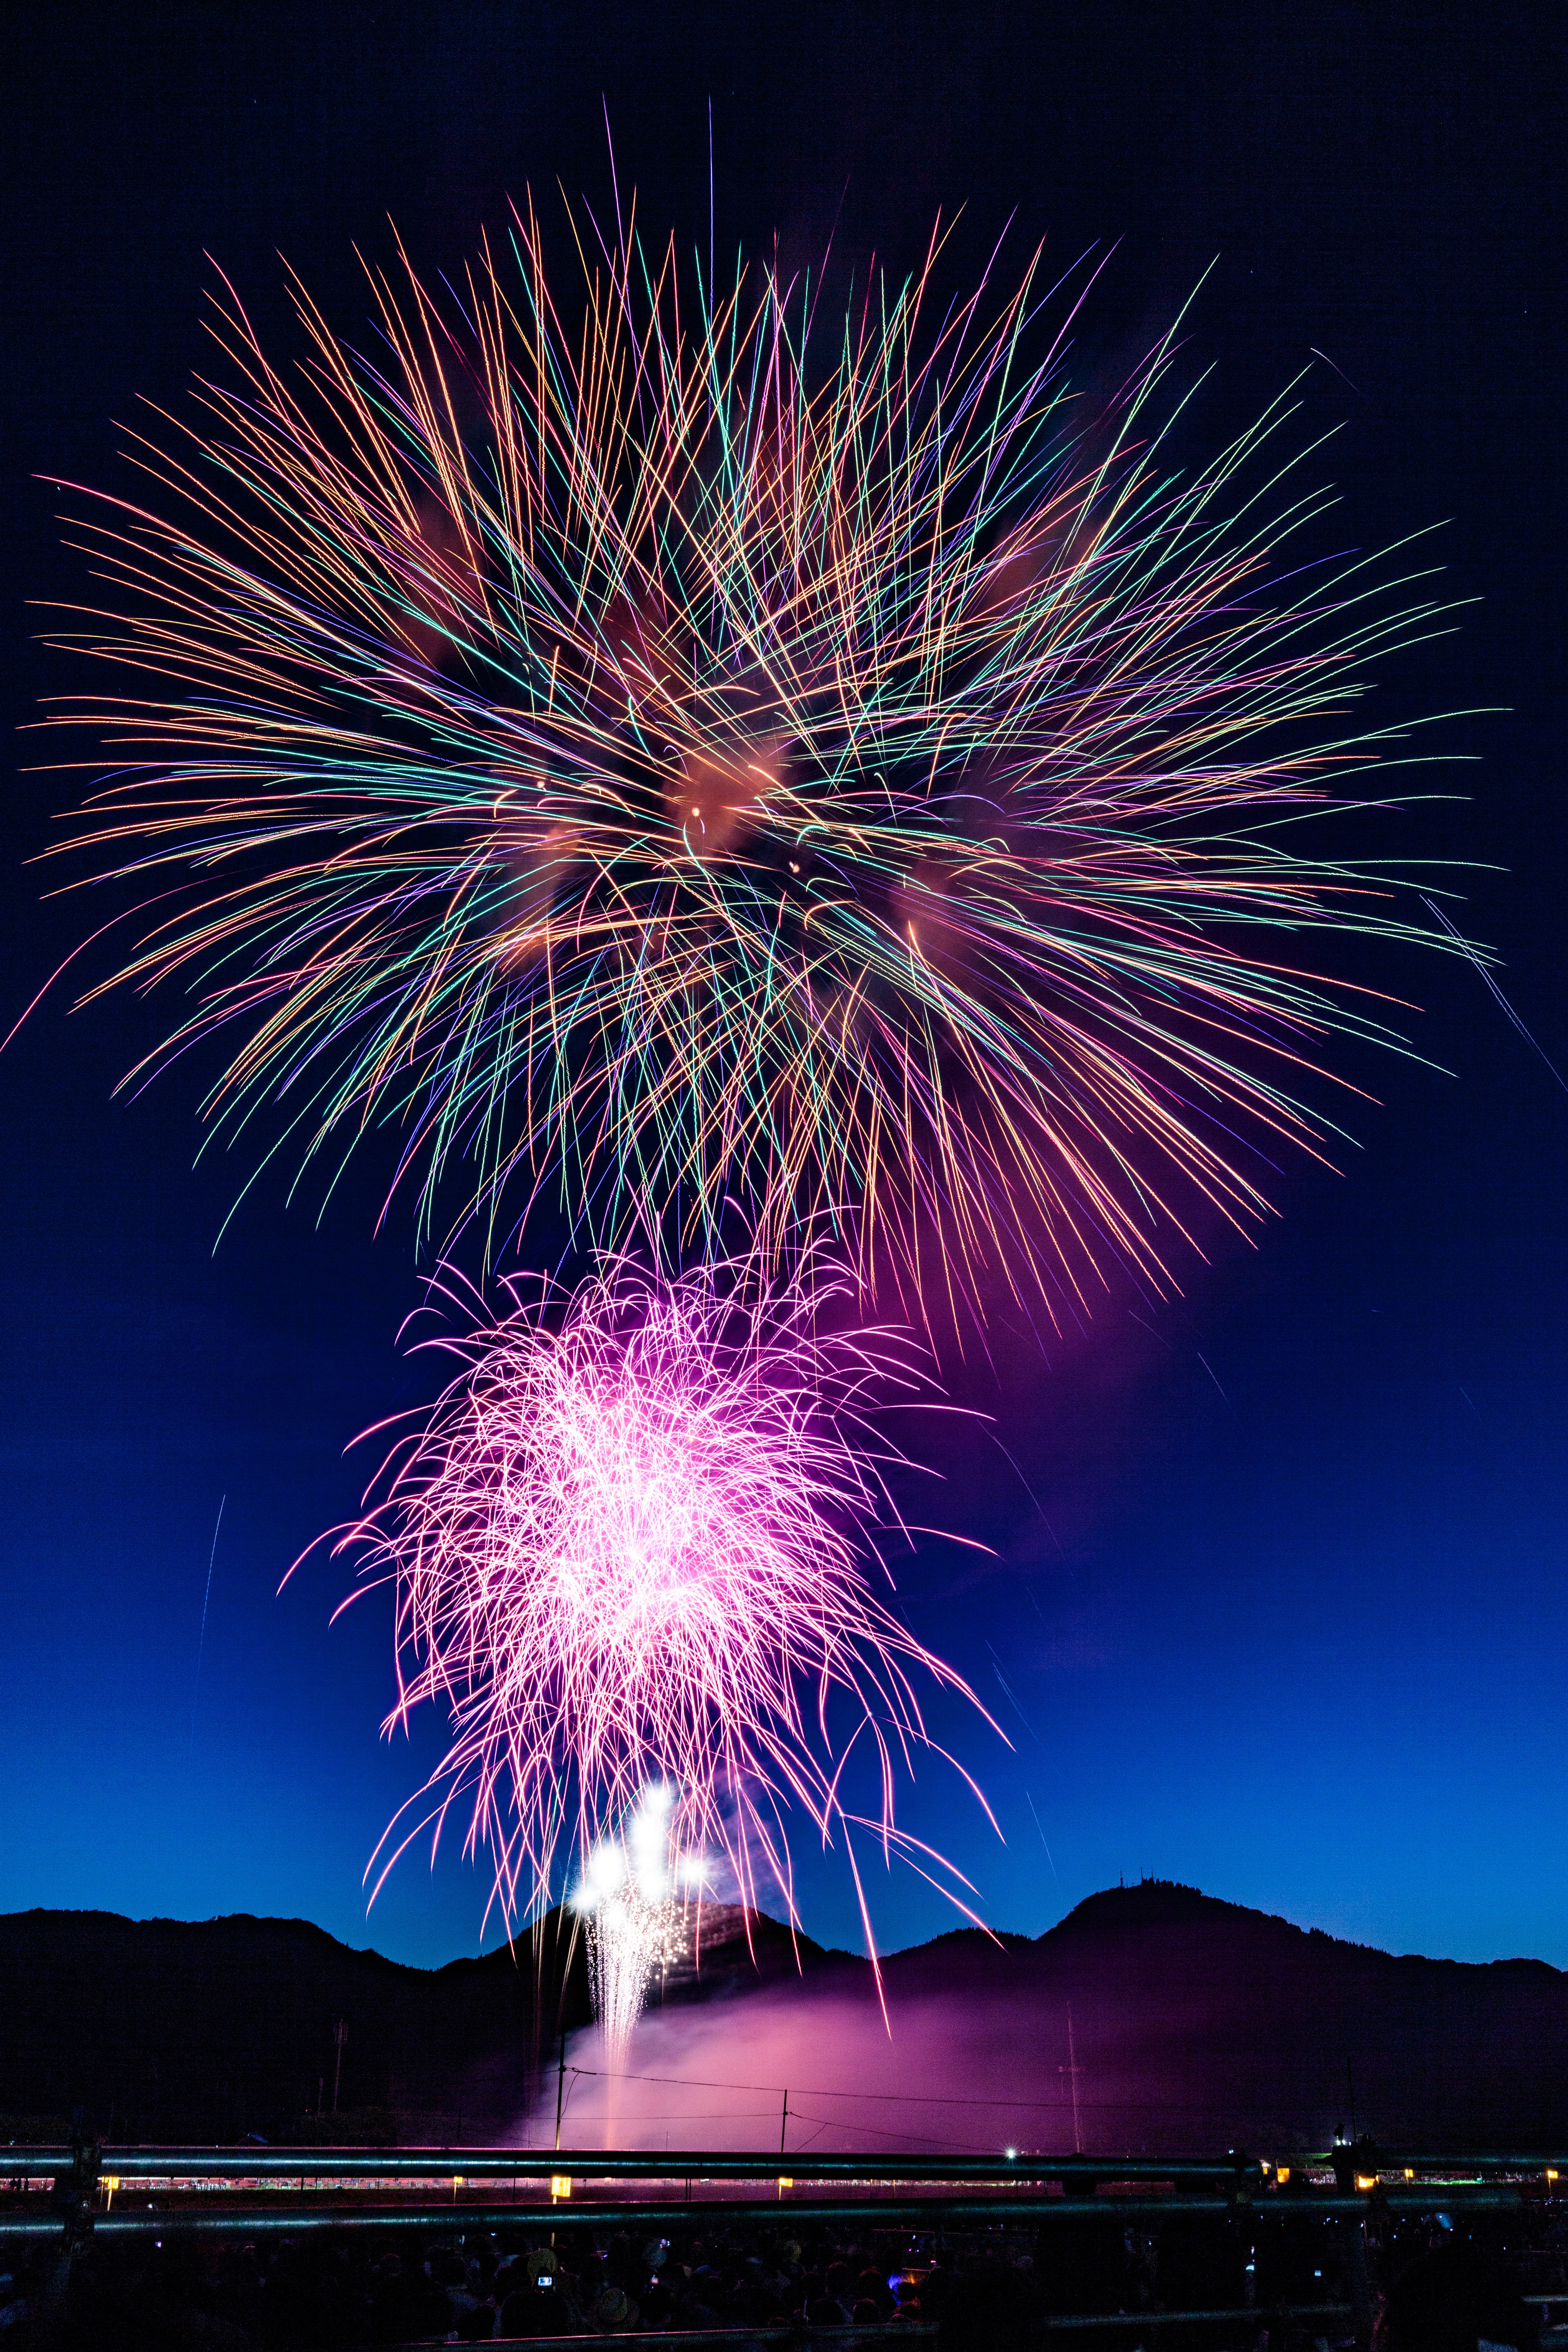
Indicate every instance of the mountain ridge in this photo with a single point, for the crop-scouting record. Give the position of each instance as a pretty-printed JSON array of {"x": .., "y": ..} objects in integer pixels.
[
  {"x": 1113, "y": 1905},
  {"x": 1192, "y": 2021}
]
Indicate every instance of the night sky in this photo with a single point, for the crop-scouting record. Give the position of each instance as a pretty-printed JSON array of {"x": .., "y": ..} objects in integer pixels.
[{"x": 1280, "y": 1593}]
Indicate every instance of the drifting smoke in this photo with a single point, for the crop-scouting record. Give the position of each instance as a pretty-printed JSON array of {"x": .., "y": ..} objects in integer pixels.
[{"x": 771, "y": 2071}]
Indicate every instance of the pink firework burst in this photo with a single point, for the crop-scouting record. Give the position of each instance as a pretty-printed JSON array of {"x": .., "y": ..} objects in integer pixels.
[{"x": 628, "y": 1544}]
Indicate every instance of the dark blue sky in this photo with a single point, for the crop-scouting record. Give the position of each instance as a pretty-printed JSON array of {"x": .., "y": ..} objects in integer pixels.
[{"x": 1287, "y": 1614}]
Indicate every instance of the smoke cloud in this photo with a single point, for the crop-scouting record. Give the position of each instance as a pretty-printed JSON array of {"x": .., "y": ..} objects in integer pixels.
[{"x": 799, "y": 2068}]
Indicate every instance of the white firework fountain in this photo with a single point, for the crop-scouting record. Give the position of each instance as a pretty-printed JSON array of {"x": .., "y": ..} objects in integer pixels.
[{"x": 632, "y": 1899}]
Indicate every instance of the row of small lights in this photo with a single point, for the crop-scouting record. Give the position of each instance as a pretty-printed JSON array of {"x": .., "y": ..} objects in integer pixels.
[
  {"x": 1282, "y": 2172},
  {"x": 561, "y": 2183}
]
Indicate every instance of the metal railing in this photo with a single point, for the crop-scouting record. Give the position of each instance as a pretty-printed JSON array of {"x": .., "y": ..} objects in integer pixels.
[
  {"x": 225, "y": 2190},
  {"x": 262, "y": 2162},
  {"x": 1078, "y": 2174}
]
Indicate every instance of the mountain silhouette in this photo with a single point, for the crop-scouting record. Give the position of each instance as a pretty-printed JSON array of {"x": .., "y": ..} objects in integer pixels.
[
  {"x": 166, "y": 2030},
  {"x": 1197, "y": 2024},
  {"x": 1200, "y": 2024}
]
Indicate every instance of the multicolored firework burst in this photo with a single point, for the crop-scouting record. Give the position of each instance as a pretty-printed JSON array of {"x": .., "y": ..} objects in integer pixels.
[
  {"x": 626, "y": 1550},
  {"x": 629, "y": 754}
]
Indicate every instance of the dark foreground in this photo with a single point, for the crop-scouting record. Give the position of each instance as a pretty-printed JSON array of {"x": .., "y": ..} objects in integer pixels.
[{"x": 1455, "y": 2258}]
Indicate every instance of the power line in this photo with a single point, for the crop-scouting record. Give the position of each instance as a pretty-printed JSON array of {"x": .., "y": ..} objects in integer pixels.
[
  {"x": 906, "y": 2139},
  {"x": 915, "y": 2098}
]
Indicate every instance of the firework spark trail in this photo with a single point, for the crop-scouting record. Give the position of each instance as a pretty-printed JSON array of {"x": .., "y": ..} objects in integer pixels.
[
  {"x": 1498, "y": 997},
  {"x": 626, "y": 1555},
  {"x": 628, "y": 759}
]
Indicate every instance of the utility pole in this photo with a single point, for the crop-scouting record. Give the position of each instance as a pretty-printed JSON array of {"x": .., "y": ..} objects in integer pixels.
[
  {"x": 1072, "y": 2071},
  {"x": 560, "y": 2089},
  {"x": 340, "y": 2035},
  {"x": 784, "y": 2123}
]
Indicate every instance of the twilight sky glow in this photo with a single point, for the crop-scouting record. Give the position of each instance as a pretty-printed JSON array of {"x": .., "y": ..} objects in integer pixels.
[{"x": 1280, "y": 1601}]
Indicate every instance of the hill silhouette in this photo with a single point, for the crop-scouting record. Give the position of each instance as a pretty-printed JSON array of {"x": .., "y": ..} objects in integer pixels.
[
  {"x": 171, "y": 2029},
  {"x": 1197, "y": 2023}
]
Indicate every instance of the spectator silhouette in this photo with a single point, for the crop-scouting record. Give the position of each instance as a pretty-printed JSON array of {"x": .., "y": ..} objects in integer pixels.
[{"x": 1452, "y": 2299}]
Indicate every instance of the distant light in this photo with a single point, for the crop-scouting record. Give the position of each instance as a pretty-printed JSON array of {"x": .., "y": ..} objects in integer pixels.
[
  {"x": 1283, "y": 2175},
  {"x": 561, "y": 2184},
  {"x": 1011, "y": 2154},
  {"x": 1550, "y": 2175},
  {"x": 1366, "y": 2181},
  {"x": 1410, "y": 2173}
]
